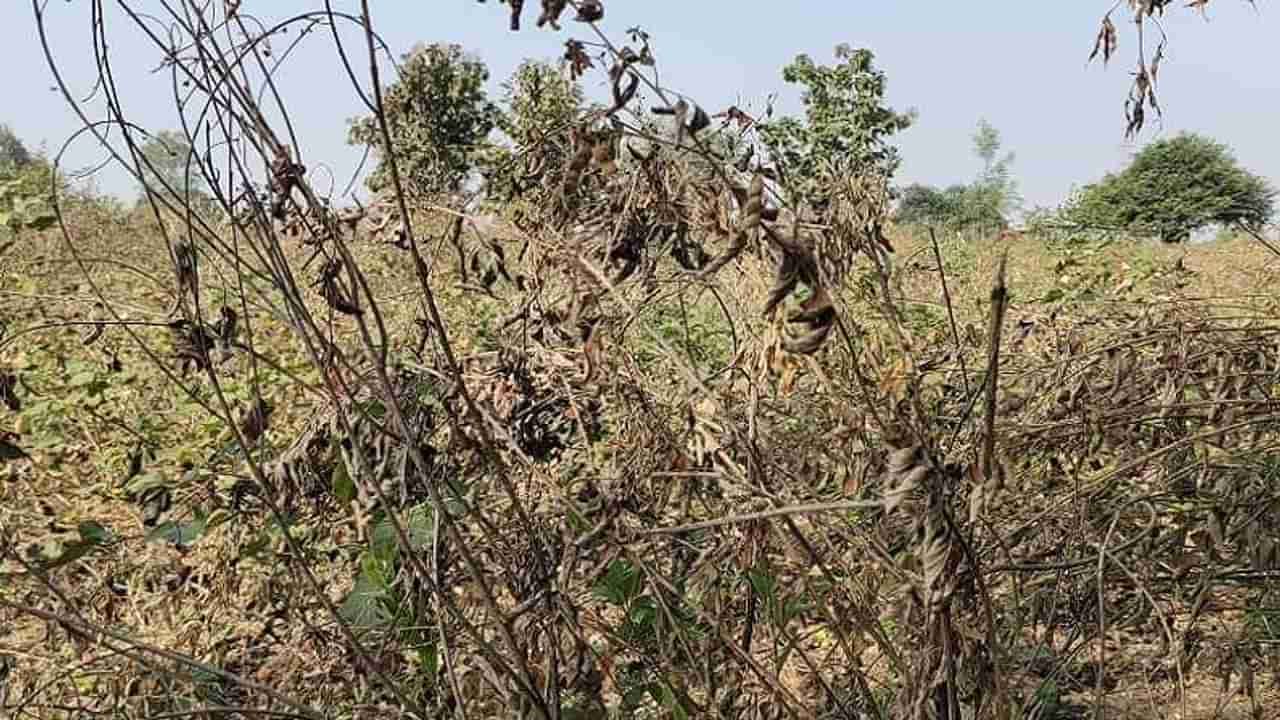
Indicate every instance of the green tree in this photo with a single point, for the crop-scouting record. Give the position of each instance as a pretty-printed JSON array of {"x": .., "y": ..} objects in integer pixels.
[
  {"x": 171, "y": 162},
  {"x": 439, "y": 117},
  {"x": 13, "y": 153},
  {"x": 920, "y": 204},
  {"x": 541, "y": 105},
  {"x": 846, "y": 122},
  {"x": 1172, "y": 188},
  {"x": 995, "y": 191}
]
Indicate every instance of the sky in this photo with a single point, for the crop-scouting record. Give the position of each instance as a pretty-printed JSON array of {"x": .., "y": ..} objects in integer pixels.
[{"x": 1020, "y": 65}]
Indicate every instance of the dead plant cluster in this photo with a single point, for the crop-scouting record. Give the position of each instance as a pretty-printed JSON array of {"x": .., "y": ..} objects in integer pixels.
[{"x": 694, "y": 461}]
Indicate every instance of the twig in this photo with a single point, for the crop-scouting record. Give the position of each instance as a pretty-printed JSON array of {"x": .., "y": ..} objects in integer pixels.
[
  {"x": 774, "y": 512},
  {"x": 999, "y": 299}
]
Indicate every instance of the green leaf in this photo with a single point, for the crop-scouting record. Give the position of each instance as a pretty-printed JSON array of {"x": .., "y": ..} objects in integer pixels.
[
  {"x": 180, "y": 534},
  {"x": 61, "y": 555},
  {"x": 763, "y": 584},
  {"x": 620, "y": 583},
  {"x": 363, "y": 607},
  {"x": 94, "y": 532},
  {"x": 429, "y": 660},
  {"x": 42, "y": 222},
  {"x": 383, "y": 542},
  {"x": 343, "y": 487},
  {"x": 83, "y": 379}
]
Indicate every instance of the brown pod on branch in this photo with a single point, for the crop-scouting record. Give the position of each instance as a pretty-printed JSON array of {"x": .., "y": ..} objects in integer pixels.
[
  {"x": 622, "y": 95},
  {"x": 752, "y": 201},
  {"x": 699, "y": 122},
  {"x": 551, "y": 11},
  {"x": 577, "y": 165},
  {"x": 590, "y": 11}
]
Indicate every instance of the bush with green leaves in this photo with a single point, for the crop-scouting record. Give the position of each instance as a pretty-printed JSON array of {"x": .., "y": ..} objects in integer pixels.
[
  {"x": 984, "y": 203},
  {"x": 439, "y": 118},
  {"x": 541, "y": 107},
  {"x": 846, "y": 123},
  {"x": 1172, "y": 188},
  {"x": 13, "y": 153},
  {"x": 25, "y": 192}
]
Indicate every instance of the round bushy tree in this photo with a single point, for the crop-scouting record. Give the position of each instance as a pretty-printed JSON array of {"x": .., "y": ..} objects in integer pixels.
[
  {"x": 439, "y": 118},
  {"x": 923, "y": 205},
  {"x": 1172, "y": 188}
]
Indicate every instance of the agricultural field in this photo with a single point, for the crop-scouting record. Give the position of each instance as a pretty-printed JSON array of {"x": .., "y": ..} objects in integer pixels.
[{"x": 671, "y": 421}]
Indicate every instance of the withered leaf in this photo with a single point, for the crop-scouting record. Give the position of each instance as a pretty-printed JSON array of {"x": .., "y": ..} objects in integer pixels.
[
  {"x": 9, "y": 391},
  {"x": 699, "y": 121},
  {"x": 517, "y": 6},
  {"x": 253, "y": 423},
  {"x": 576, "y": 55},
  {"x": 551, "y": 11},
  {"x": 590, "y": 11},
  {"x": 1106, "y": 41},
  {"x": 9, "y": 449}
]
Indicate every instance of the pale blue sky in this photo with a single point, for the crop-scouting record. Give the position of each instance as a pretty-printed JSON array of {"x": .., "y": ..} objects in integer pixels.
[{"x": 1019, "y": 64}]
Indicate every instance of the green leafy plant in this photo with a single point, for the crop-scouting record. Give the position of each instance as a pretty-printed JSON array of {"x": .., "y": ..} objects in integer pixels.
[
  {"x": 24, "y": 195},
  {"x": 541, "y": 105},
  {"x": 13, "y": 153},
  {"x": 170, "y": 160},
  {"x": 986, "y": 202},
  {"x": 1172, "y": 188},
  {"x": 845, "y": 121},
  {"x": 439, "y": 117}
]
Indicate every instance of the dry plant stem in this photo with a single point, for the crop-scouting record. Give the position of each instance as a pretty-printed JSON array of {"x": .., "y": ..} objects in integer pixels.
[
  {"x": 951, "y": 313},
  {"x": 791, "y": 701},
  {"x": 999, "y": 302},
  {"x": 774, "y": 512},
  {"x": 525, "y": 677},
  {"x": 97, "y": 634},
  {"x": 227, "y": 415},
  {"x": 1261, "y": 240},
  {"x": 1164, "y": 622},
  {"x": 841, "y": 635},
  {"x": 1099, "y": 710},
  {"x": 216, "y": 710}
]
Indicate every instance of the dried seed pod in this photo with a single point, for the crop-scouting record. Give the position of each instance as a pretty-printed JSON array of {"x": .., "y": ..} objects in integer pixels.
[
  {"x": 752, "y": 200},
  {"x": 590, "y": 11},
  {"x": 699, "y": 122},
  {"x": 517, "y": 6},
  {"x": 577, "y": 165},
  {"x": 551, "y": 11}
]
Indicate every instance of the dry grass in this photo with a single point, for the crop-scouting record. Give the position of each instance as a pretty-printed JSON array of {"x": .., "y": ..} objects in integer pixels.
[{"x": 215, "y": 603}]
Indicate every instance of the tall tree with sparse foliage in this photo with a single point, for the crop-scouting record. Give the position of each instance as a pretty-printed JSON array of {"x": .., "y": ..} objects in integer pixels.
[
  {"x": 995, "y": 186},
  {"x": 439, "y": 118}
]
